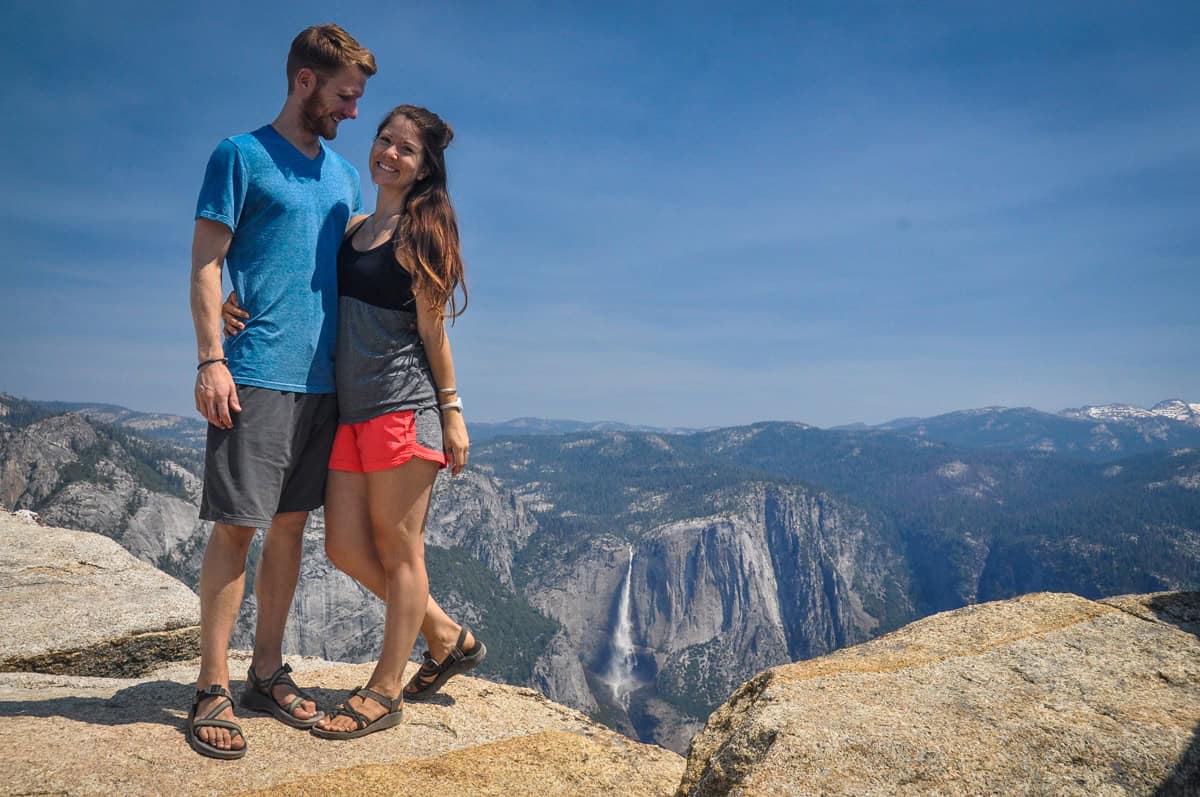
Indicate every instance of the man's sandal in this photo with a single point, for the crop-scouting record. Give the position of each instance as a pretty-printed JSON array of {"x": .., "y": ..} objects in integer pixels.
[
  {"x": 434, "y": 674},
  {"x": 259, "y": 696},
  {"x": 210, "y": 720},
  {"x": 364, "y": 726}
]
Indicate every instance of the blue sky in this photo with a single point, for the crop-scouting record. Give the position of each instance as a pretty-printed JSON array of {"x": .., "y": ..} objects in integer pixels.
[{"x": 682, "y": 214}]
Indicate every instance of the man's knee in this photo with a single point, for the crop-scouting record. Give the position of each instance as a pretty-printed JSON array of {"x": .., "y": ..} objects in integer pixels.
[
  {"x": 237, "y": 537},
  {"x": 289, "y": 523}
]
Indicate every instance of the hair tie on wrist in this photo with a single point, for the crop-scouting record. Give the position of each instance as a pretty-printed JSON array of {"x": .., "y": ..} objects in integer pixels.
[{"x": 221, "y": 360}]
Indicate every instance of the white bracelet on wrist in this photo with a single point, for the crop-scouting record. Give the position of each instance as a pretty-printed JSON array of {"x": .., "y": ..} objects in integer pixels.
[
  {"x": 452, "y": 405},
  {"x": 447, "y": 390}
]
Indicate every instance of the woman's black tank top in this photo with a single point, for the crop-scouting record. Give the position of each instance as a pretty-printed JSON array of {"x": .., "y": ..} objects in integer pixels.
[{"x": 374, "y": 276}]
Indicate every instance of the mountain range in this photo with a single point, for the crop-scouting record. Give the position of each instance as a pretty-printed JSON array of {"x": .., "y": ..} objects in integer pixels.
[
  {"x": 1095, "y": 432},
  {"x": 642, "y": 575}
]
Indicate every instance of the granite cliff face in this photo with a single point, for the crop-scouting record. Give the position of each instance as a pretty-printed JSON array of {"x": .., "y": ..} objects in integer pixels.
[
  {"x": 769, "y": 573},
  {"x": 76, "y": 475},
  {"x": 777, "y": 573},
  {"x": 811, "y": 570},
  {"x": 476, "y": 513}
]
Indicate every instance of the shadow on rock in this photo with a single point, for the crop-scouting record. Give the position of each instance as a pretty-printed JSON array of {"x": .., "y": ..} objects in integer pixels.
[
  {"x": 163, "y": 702},
  {"x": 1181, "y": 609}
]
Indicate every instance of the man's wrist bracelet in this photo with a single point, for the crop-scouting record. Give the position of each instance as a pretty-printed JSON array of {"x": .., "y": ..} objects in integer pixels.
[
  {"x": 447, "y": 390},
  {"x": 221, "y": 360},
  {"x": 452, "y": 405}
]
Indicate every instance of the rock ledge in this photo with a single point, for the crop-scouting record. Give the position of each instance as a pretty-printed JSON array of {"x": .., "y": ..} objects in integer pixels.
[
  {"x": 74, "y": 735},
  {"x": 1046, "y": 694},
  {"x": 73, "y": 602}
]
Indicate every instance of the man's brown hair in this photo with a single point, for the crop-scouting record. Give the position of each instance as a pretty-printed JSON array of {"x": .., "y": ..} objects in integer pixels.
[{"x": 325, "y": 49}]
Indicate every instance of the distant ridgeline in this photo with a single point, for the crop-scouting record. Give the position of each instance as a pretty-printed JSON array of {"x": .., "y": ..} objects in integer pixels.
[{"x": 751, "y": 546}]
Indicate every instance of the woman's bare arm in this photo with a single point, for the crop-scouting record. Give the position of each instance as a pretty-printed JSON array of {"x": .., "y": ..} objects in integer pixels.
[{"x": 441, "y": 364}]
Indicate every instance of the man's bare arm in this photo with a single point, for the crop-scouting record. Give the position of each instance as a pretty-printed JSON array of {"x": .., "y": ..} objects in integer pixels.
[{"x": 216, "y": 395}]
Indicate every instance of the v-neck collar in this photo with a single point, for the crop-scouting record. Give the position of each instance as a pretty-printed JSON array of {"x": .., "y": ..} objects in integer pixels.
[{"x": 299, "y": 152}]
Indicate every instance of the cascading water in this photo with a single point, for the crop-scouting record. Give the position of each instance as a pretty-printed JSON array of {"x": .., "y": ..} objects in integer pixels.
[{"x": 620, "y": 665}]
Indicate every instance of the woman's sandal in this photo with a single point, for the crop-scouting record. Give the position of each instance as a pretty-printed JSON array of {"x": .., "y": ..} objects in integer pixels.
[
  {"x": 210, "y": 720},
  {"x": 433, "y": 674},
  {"x": 259, "y": 696},
  {"x": 364, "y": 726}
]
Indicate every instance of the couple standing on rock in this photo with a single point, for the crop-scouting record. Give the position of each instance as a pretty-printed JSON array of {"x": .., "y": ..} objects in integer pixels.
[{"x": 308, "y": 269}]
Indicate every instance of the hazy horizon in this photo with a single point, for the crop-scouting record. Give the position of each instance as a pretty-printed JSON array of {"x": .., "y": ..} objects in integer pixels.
[{"x": 635, "y": 422}]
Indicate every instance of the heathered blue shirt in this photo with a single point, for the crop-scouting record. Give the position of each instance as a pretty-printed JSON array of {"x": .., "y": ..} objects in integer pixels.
[{"x": 288, "y": 214}]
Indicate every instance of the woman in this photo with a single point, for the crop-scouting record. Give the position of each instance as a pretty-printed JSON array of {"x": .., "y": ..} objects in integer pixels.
[{"x": 400, "y": 414}]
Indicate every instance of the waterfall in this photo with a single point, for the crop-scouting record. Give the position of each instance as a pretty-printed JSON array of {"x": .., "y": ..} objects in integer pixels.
[{"x": 620, "y": 664}]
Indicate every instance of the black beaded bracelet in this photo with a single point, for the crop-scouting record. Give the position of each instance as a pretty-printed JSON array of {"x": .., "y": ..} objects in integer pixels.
[{"x": 213, "y": 360}]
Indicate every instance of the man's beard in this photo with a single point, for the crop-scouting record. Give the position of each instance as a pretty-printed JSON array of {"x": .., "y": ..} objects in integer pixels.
[{"x": 315, "y": 118}]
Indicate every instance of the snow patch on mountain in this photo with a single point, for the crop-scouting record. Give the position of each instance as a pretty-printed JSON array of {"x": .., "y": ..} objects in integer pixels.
[
  {"x": 1108, "y": 412},
  {"x": 1189, "y": 482},
  {"x": 1178, "y": 410},
  {"x": 953, "y": 470},
  {"x": 1171, "y": 409}
]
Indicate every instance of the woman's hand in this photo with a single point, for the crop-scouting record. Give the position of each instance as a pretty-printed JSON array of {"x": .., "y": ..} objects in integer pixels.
[
  {"x": 231, "y": 311},
  {"x": 455, "y": 440}
]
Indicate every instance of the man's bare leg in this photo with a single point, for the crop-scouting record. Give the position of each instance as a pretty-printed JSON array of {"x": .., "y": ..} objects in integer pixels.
[
  {"x": 222, "y": 587},
  {"x": 274, "y": 589}
]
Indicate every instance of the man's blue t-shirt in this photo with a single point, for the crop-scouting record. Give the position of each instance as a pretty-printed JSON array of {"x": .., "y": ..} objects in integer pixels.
[{"x": 288, "y": 214}]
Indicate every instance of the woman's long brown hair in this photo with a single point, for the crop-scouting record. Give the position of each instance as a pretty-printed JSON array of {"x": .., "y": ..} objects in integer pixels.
[{"x": 427, "y": 238}]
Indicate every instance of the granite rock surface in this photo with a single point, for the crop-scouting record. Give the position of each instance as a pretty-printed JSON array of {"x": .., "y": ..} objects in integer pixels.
[
  {"x": 72, "y": 602},
  {"x": 74, "y": 735},
  {"x": 1046, "y": 694}
]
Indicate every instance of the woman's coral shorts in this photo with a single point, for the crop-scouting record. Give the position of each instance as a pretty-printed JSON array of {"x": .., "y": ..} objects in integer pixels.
[{"x": 388, "y": 441}]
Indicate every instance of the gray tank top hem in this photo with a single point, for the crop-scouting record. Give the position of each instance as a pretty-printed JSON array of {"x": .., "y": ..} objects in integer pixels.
[{"x": 380, "y": 363}]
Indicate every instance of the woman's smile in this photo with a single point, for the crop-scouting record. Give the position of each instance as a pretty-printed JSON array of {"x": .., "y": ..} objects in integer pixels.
[{"x": 396, "y": 155}]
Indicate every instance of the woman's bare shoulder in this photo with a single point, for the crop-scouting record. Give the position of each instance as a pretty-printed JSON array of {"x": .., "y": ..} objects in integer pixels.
[{"x": 354, "y": 222}]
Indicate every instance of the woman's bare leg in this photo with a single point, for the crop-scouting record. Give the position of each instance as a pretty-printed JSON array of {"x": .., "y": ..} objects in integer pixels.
[
  {"x": 441, "y": 632},
  {"x": 348, "y": 540},
  {"x": 349, "y": 544},
  {"x": 397, "y": 502}
]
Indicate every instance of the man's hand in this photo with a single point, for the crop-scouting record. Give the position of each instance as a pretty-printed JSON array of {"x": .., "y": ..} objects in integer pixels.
[
  {"x": 232, "y": 315},
  {"x": 216, "y": 395}
]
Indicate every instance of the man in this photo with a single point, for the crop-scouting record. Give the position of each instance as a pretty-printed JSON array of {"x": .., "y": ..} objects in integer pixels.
[{"x": 274, "y": 206}]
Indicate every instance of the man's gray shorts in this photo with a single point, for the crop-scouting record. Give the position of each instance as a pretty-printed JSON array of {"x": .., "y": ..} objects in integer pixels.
[{"x": 274, "y": 459}]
